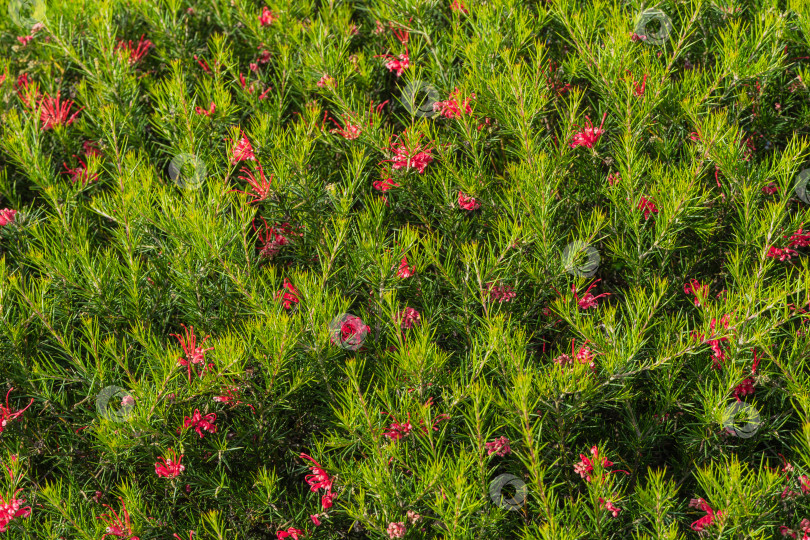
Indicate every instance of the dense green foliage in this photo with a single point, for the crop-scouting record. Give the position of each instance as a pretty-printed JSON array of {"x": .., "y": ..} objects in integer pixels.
[{"x": 458, "y": 234}]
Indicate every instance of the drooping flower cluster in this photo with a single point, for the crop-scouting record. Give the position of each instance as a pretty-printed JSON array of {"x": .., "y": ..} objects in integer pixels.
[
  {"x": 698, "y": 289},
  {"x": 454, "y": 106},
  {"x": 585, "y": 466},
  {"x": 194, "y": 355},
  {"x": 320, "y": 479},
  {"x": 352, "y": 331},
  {"x": 260, "y": 187},
  {"x": 648, "y": 206},
  {"x": 169, "y": 466},
  {"x": 501, "y": 293},
  {"x": 398, "y": 64},
  {"x": 7, "y": 216},
  {"x": 588, "y": 300},
  {"x": 588, "y": 136},
  {"x": 467, "y": 203},
  {"x": 582, "y": 356},
  {"x": 201, "y": 422},
  {"x": 135, "y": 54},
  {"x": 267, "y": 17},
  {"x": 242, "y": 151},
  {"x": 409, "y": 156},
  {"x": 55, "y": 112},
  {"x": 404, "y": 270},
  {"x": 408, "y": 317},
  {"x": 288, "y": 294},
  {"x": 80, "y": 173},
  {"x": 397, "y": 430},
  {"x": 115, "y": 525},
  {"x": 396, "y": 529},
  {"x": 12, "y": 509},
  {"x": 608, "y": 505},
  {"x": 707, "y": 520},
  {"x": 272, "y": 239},
  {"x": 7, "y": 414}
]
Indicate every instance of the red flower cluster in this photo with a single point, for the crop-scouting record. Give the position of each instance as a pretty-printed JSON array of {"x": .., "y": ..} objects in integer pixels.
[
  {"x": 585, "y": 466},
  {"x": 242, "y": 151},
  {"x": 648, "y": 206},
  {"x": 454, "y": 106},
  {"x": 406, "y": 157},
  {"x": 170, "y": 466},
  {"x": 79, "y": 173},
  {"x": 404, "y": 270},
  {"x": 467, "y": 203},
  {"x": 397, "y": 430},
  {"x": 399, "y": 63},
  {"x": 291, "y": 532},
  {"x": 194, "y": 354},
  {"x": 7, "y": 216},
  {"x": 783, "y": 254},
  {"x": 408, "y": 317},
  {"x": 211, "y": 108},
  {"x": 267, "y": 17},
  {"x": 201, "y": 423},
  {"x": 588, "y": 300},
  {"x": 288, "y": 296},
  {"x": 7, "y": 414},
  {"x": 352, "y": 331},
  {"x": 698, "y": 289},
  {"x": 706, "y": 520},
  {"x": 56, "y": 112},
  {"x": 501, "y": 293},
  {"x": 274, "y": 238},
  {"x": 499, "y": 447},
  {"x": 609, "y": 506},
  {"x": 589, "y": 136},
  {"x": 326, "y": 82},
  {"x": 11, "y": 509},
  {"x": 260, "y": 187},
  {"x": 115, "y": 525},
  {"x": 135, "y": 53},
  {"x": 583, "y": 356},
  {"x": 319, "y": 479}
]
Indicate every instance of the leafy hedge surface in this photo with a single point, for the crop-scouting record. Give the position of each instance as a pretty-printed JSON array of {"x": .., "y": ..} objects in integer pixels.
[{"x": 353, "y": 312}]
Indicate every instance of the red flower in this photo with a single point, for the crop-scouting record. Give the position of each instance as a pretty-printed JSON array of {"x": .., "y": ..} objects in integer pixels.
[
  {"x": 200, "y": 422},
  {"x": 585, "y": 466},
  {"x": 290, "y": 296},
  {"x": 404, "y": 270},
  {"x": 56, "y": 113},
  {"x": 291, "y": 532},
  {"x": 90, "y": 149},
  {"x": 696, "y": 288},
  {"x": 467, "y": 203},
  {"x": 80, "y": 173},
  {"x": 203, "y": 64},
  {"x": 407, "y": 157},
  {"x": 319, "y": 479},
  {"x": 770, "y": 189},
  {"x": 242, "y": 151},
  {"x": 589, "y": 135},
  {"x": 12, "y": 509},
  {"x": 609, "y": 506},
  {"x": 648, "y": 206},
  {"x": 706, "y": 520},
  {"x": 194, "y": 354},
  {"x": 260, "y": 187},
  {"x": 267, "y": 17},
  {"x": 171, "y": 466},
  {"x": 458, "y": 7},
  {"x": 386, "y": 183},
  {"x": 588, "y": 300},
  {"x": 501, "y": 293},
  {"x": 326, "y": 81},
  {"x": 349, "y": 132},
  {"x": 190, "y": 533},
  {"x": 499, "y": 447},
  {"x": 24, "y": 40},
  {"x": 799, "y": 239},
  {"x": 451, "y": 108},
  {"x": 640, "y": 87},
  {"x": 396, "y": 529},
  {"x": 115, "y": 526},
  {"x": 136, "y": 54},
  {"x": 408, "y": 317},
  {"x": 352, "y": 331},
  {"x": 7, "y": 414},
  {"x": 783, "y": 254},
  {"x": 209, "y": 112},
  {"x": 315, "y": 519},
  {"x": 7, "y": 216}
]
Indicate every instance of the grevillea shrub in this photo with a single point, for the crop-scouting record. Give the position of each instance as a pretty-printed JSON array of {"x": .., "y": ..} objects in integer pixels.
[{"x": 456, "y": 269}]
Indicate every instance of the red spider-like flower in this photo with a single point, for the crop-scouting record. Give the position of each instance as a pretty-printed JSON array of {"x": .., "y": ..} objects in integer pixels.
[
  {"x": 267, "y": 17},
  {"x": 115, "y": 525},
  {"x": 501, "y": 293},
  {"x": 408, "y": 317},
  {"x": 588, "y": 300},
  {"x": 458, "y": 7},
  {"x": 288, "y": 296},
  {"x": 638, "y": 91},
  {"x": 467, "y": 203},
  {"x": 386, "y": 183},
  {"x": 648, "y": 206},
  {"x": 7, "y": 216},
  {"x": 201, "y": 422},
  {"x": 290, "y": 533},
  {"x": 320, "y": 479},
  {"x": 260, "y": 187},
  {"x": 799, "y": 239},
  {"x": 404, "y": 270},
  {"x": 12, "y": 509},
  {"x": 397, "y": 430},
  {"x": 770, "y": 188},
  {"x": 194, "y": 354},
  {"x": 79, "y": 173},
  {"x": 696, "y": 288},
  {"x": 7, "y": 414},
  {"x": 56, "y": 113},
  {"x": 399, "y": 63},
  {"x": 609, "y": 506},
  {"x": 783, "y": 254},
  {"x": 136, "y": 53},
  {"x": 349, "y": 131},
  {"x": 589, "y": 135},
  {"x": 190, "y": 533},
  {"x": 204, "y": 112},
  {"x": 585, "y": 466},
  {"x": 499, "y": 447},
  {"x": 352, "y": 331},
  {"x": 242, "y": 151},
  {"x": 410, "y": 156},
  {"x": 706, "y": 520},
  {"x": 451, "y": 108},
  {"x": 171, "y": 466}
]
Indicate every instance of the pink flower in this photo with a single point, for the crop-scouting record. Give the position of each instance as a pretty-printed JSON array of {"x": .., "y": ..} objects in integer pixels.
[
  {"x": 267, "y": 17},
  {"x": 7, "y": 414},
  {"x": 638, "y": 91},
  {"x": 80, "y": 173},
  {"x": 352, "y": 331},
  {"x": 349, "y": 132},
  {"x": 386, "y": 183},
  {"x": 137, "y": 53},
  {"x": 56, "y": 113},
  {"x": 291, "y": 532},
  {"x": 209, "y": 112},
  {"x": 7, "y": 216},
  {"x": 452, "y": 108},
  {"x": 326, "y": 82},
  {"x": 609, "y": 506},
  {"x": 171, "y": 466},
  {"x": 242, "y": 151},
  {"x": 804, "y": 483},
  {"x": 406, "y": 157},
  {"x": 412, "y": 516},
  {"x": 315, "y": 519},
  {"x": 24, "y": 40},
  {"x": 589, "y": 136},
  {"x": 194, "y": 354},
  {"x": 696, "y": 288},
  {"x": 648, "y": 206},
  {"x": 404, "y": 270},
  {"x": 288, "y": 296},
  {"x": 499, "y": 447},
  {"x": 396, "y": 529},
  {"x": 781, "y": 254},
  {"x": 319, "y": 479},
  {"x": 11, "y": 510},
  {"x": 408, "y": 317},
  {"x": 799, "y": 239},
  {"x": 260, "y": 187},
  {"x": 501, "y": 293},
  {"x": 458, "y": 7},
  {"x": 397, "y": 431},
  {"x": 467, "y": 203},
  {"x": 770, "y": 189},
  {"x": 115, "y": 525},
  {"x": 201, "y": 423},
  {"x": 706, "y": 520}
]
